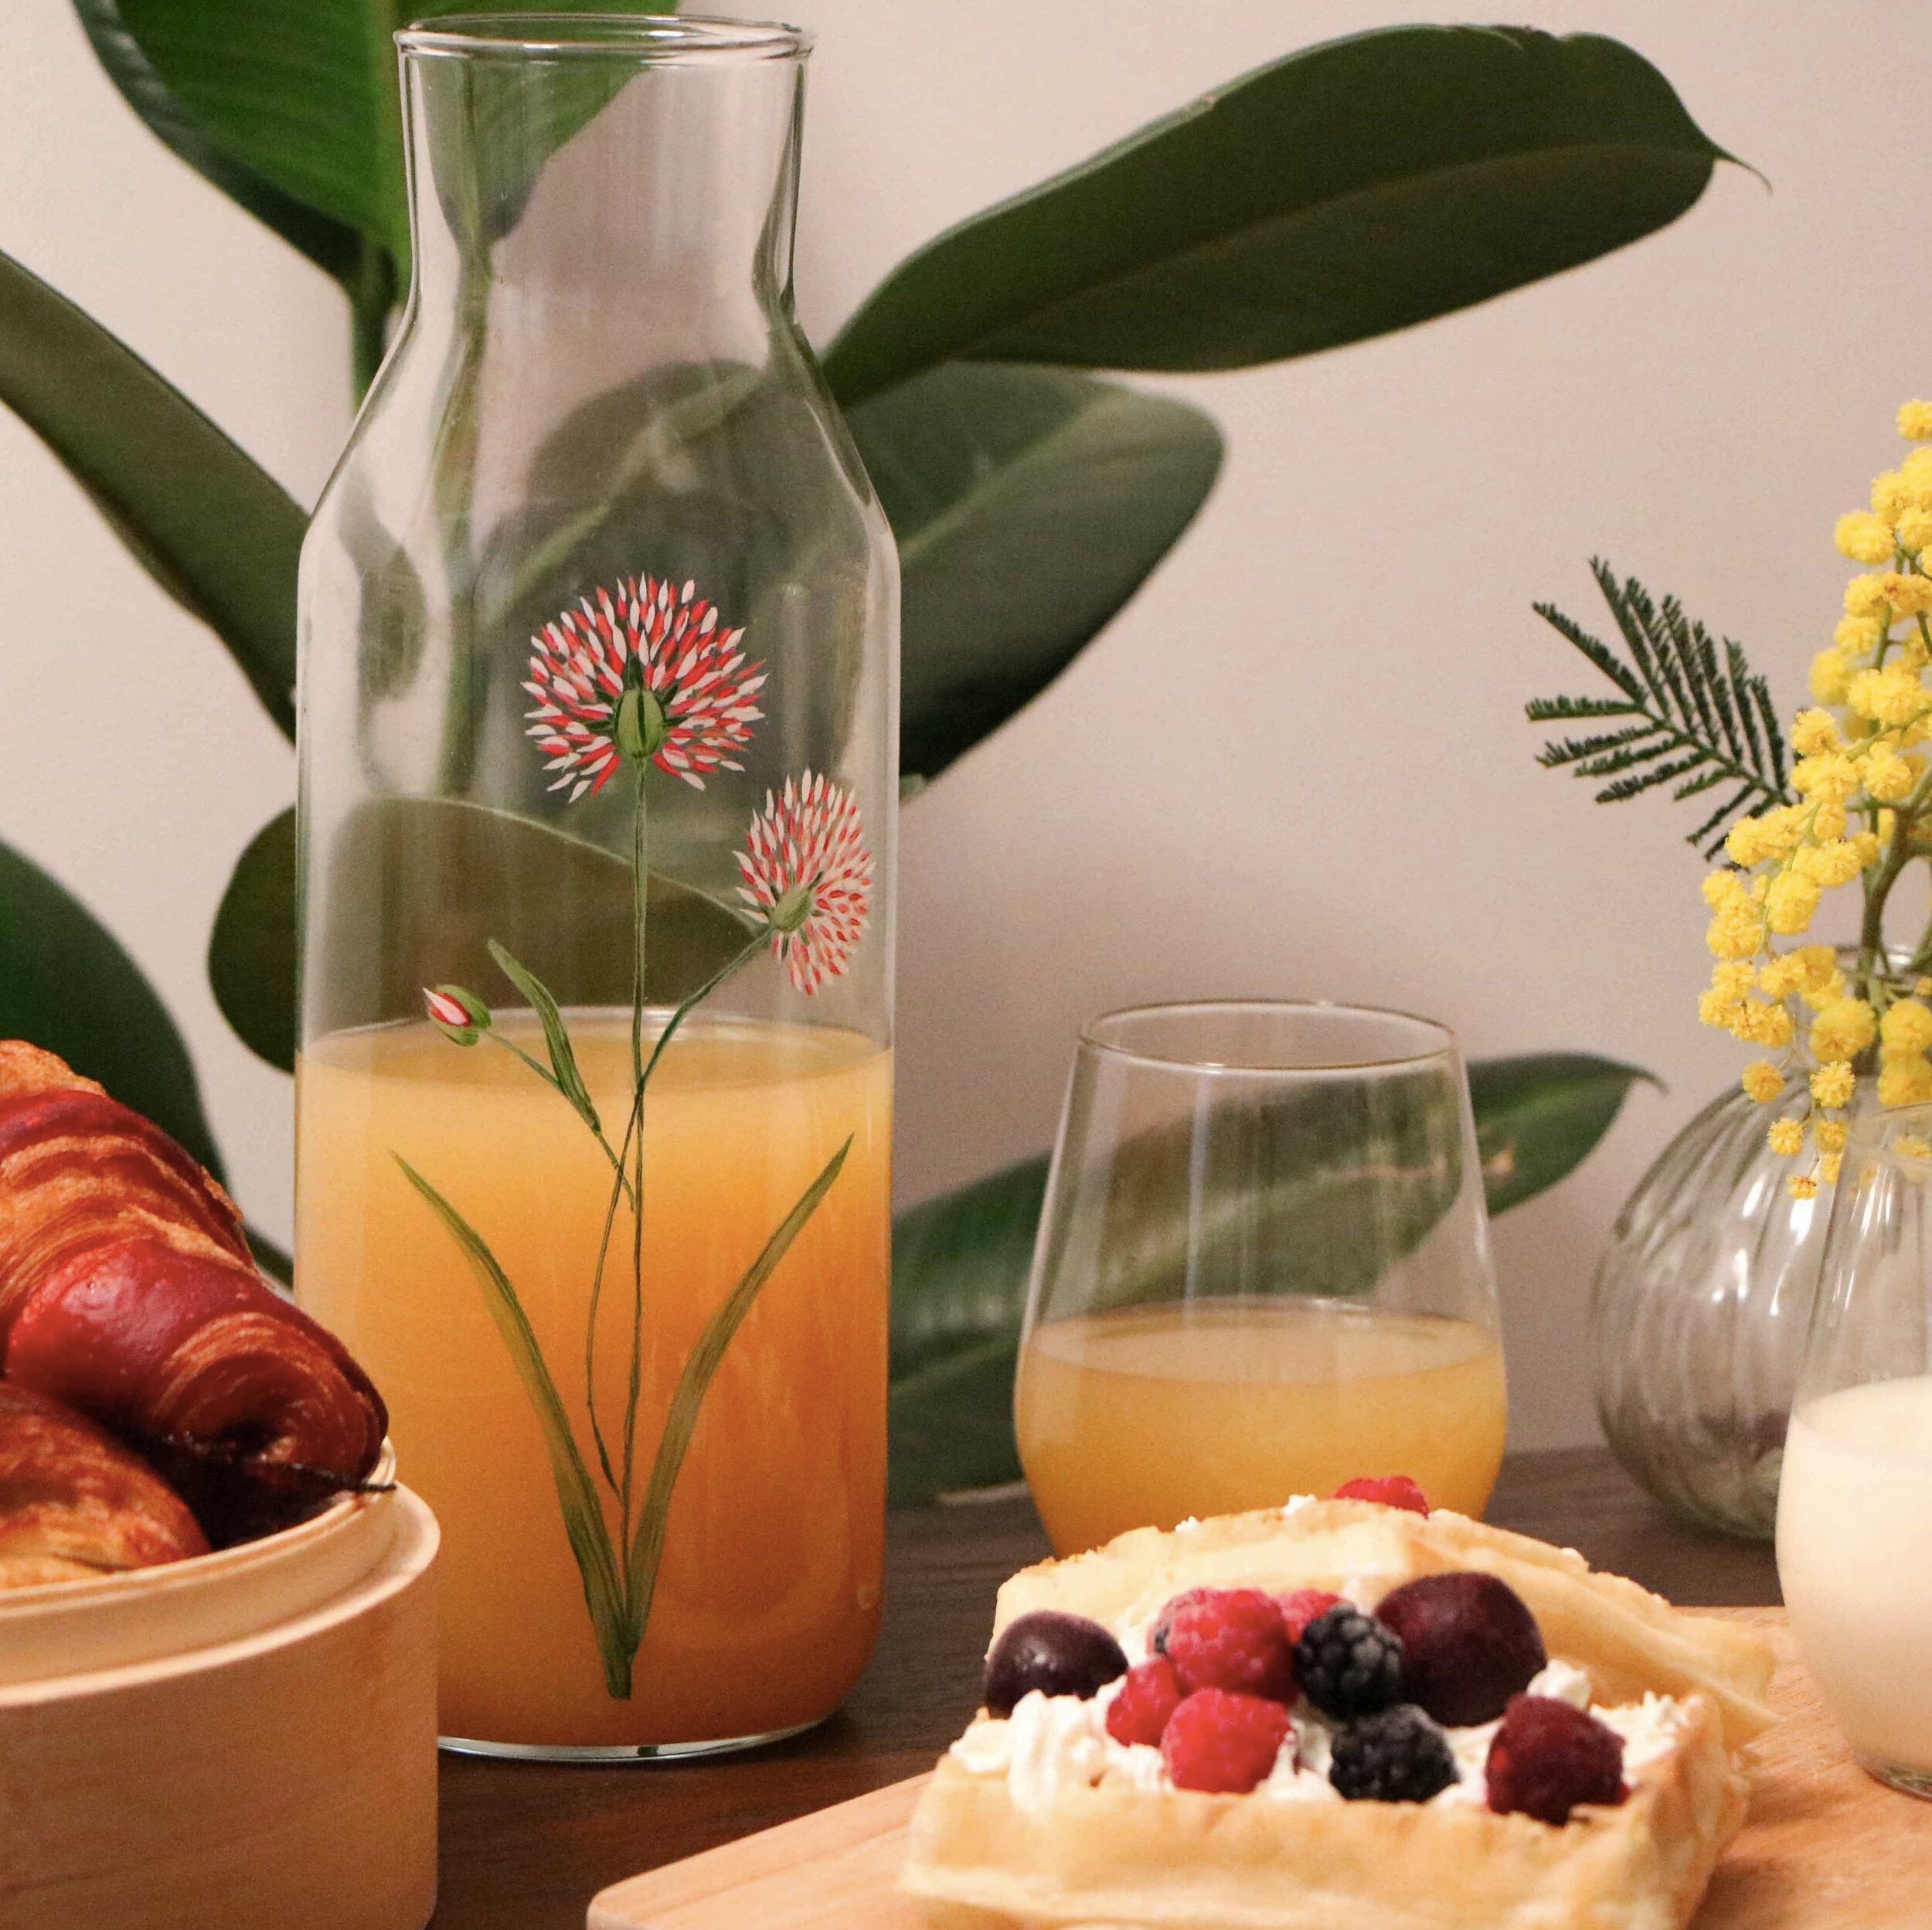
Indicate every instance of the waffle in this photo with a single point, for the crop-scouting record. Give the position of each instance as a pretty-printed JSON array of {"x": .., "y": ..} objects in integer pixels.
[{"x": 1102, "y": 1848}]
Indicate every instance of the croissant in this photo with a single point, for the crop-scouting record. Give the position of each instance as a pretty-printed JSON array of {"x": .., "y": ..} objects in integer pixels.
[
  {"x": 127, "y": 1292},
  {"x": 76, "y": 1502}
]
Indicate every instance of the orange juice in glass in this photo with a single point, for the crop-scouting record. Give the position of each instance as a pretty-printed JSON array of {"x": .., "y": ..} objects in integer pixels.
[{"x": 1263, "y": 1270}]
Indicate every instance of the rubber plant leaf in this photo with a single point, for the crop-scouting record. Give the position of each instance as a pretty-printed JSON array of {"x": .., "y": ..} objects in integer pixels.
[
  {"x": 1029, "y": 504},
  {"x": 428, "y": 883},
  {"x": 67, "y": 986},
  {"x": 1356, "y": 187},
  {"x": 212, "y": 526}
]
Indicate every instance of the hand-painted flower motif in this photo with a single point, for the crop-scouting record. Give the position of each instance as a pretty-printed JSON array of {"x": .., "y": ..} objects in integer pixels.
[
  {"x": 639, "y": 671},
  {"x": 456, "y": 1013},
  {"x": 808, "y": 874}
]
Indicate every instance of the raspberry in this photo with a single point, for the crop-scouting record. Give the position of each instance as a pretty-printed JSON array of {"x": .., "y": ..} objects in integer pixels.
[
  {"x": 1302, "y": 1607},
  {"x": 1231, "y": 1639},
  {"x": 1397, "y": 1756},
  {"x": 1547, "y": 1758},
  {"x": 1391, "y": 1490},
  {"x": 1222, "y": 1742},
  {"x": 1157, "y": 1636},
  {"x": 1057, "y": 1654},
  {"x": 1150, "y": 1694},
  {"x": 1469, "y": 1644},
  {"x": 1349, "y": 1664}
]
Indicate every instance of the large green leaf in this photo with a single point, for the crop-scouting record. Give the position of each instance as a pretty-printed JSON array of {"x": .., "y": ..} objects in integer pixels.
[
  {"x": 1352, "y": 189},
  {"x": 1029, "y": 504},
  {"x": 417, "y": 888},
  {"x": 333, "y": 246},
  {"x": 215, "y": 529},
  {"x": 960, "y": 1263},
  {"x": 302, "y": 96},
  {"x": 1538, "y": 1115},
  {"x": 252, "y": 949},
  {"x": 66, "y": 985}
]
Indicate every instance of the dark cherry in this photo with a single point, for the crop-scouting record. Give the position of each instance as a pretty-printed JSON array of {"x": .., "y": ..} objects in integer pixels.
[
  {"x": 1469, "y": 1643},
  {"x": 1057, "y": 1654}
]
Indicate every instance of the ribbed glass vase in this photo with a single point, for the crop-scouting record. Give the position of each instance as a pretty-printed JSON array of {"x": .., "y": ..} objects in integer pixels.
[{"x": 1698, "y": 1319}]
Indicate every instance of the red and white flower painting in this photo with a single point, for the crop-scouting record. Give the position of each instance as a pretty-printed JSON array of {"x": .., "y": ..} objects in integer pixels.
[
  {"x": 808, "y": 874},
  {"x": 670, "y": 643}
]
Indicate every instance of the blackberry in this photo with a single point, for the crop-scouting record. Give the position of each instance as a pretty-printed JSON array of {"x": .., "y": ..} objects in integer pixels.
[
  {"x": 1396, "y": 1756},
  {"x": 1349, "y": 1664}
]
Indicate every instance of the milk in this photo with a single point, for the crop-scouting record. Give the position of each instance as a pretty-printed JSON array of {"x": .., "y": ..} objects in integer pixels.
[{"x": 1855, "y": 1555}]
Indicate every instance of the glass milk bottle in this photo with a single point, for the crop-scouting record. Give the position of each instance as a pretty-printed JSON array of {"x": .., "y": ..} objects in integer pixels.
[
  {"x": 1854, "y": 1500},
  {"x": 599, "y": 642}
]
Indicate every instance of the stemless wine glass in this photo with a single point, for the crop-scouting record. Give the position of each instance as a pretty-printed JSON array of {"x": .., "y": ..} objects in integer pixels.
[
  {"x": 1855, "y": 1500},
  {"x": 1263, "y": 1270}
]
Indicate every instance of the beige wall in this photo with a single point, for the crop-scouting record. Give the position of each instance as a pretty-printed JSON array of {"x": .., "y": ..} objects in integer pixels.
[{"x": 1297, "y": 764}]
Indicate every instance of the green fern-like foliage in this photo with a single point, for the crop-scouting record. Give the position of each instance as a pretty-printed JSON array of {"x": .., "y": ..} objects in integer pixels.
[{"x": 1701, "y": 719}]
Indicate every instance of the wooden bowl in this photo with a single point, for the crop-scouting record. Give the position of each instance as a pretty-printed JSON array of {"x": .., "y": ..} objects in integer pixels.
[{"x": 246, "y": 1740}]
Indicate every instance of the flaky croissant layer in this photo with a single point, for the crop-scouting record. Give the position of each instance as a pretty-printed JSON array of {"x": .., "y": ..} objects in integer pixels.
[
  {"x": 75, "y": 1503},
  {"x": 127, "y": 1292}
]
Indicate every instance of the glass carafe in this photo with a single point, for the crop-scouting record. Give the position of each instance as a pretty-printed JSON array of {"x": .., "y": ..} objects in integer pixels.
[{"x": 598, "y": 713}]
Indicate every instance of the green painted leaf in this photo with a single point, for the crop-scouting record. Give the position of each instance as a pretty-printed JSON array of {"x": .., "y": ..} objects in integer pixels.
[
  {"x": 423, "y": 885},
  {"x": 694, "y": 1381},
  {"x": 333, "y": 246},
  {"x": 1029, "y": 504},
  {"x": 575, "y": 1492},
  {"x": 215, "y": 529},
  {"x": 1354, "y": 188},
  {"x": 67, "y": 986},
  {"x": 556, "y": 1036},
  {"x": 960, "y": 1263}
]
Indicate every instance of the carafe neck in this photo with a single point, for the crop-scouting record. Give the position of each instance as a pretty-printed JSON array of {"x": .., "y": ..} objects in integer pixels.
[{"x": 627, "y": 194}]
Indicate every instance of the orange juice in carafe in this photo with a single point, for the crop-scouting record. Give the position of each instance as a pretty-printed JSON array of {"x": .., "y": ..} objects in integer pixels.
[
  {"x": 767, "y": 1599},
  {"x": 1145, "y": 1416}
]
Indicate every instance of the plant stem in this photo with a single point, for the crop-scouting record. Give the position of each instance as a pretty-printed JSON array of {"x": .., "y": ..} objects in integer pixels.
[
  {"x": 618, "y": 1193},
  {"x": 372, "y": 296},
  {"x": 640, "y": 910},
  {"x": 757, "y": 944}
]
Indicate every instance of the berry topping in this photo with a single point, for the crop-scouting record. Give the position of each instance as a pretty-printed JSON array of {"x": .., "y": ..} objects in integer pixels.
[
  {"x": 1547, "y": 1758},
  {"x": 1469, "y": 1644},
  {"x": 1223, "y": 1742},
  {"x": 1231, "y": 1639},
  {"x": 1397, "y": 1756},
  {"x": 1391, "y": 1490},
  {"x": 1147, "y": 1697},
  {"x": 1157, "y": 1636},
  {"x": 1057, "y": 1654},
  {"x": 1349, "y": 1664},
  {"x": 1302, "y": 1607}
]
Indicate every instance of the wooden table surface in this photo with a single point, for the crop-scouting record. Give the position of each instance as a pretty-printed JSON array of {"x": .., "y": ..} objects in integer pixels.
[{"x": 526, "y": 1845}]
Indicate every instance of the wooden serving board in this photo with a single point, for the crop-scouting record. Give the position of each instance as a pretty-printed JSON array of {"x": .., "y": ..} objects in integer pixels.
[{"x": 1826, "y": 1848}]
